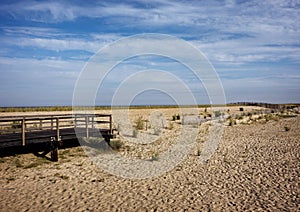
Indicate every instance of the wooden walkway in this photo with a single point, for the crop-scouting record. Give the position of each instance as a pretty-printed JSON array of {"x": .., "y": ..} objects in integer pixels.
[{"x": 52, "y": 129}]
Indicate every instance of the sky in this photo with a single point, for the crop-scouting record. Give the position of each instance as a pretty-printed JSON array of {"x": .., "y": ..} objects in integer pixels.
[{"x": 254, "y": 47}]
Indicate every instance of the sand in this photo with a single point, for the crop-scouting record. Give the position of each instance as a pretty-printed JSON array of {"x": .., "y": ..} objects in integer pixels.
[{"x": 255, "y": 168}]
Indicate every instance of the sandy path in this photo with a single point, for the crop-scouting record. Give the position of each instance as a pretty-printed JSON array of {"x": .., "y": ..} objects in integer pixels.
[{"x": 255, "y": 168}]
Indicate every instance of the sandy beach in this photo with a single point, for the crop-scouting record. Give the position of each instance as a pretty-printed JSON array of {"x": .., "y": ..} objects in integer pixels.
[{"x": 255, "y": 168}]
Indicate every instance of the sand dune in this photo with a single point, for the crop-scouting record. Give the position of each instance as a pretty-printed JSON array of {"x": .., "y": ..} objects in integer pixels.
[{"x": 256, "y": 167}]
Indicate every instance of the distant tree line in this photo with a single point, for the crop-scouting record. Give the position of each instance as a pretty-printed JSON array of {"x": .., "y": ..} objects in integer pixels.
[{"x": 266, "y": 105}]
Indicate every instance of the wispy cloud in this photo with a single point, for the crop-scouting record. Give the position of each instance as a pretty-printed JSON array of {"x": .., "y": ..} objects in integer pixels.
[
  {"x": 256, "y": 40},
  {"x": 239, "y": 31}
]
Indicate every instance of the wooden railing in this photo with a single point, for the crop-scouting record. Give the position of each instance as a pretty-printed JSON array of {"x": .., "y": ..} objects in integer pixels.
[
  {"x": 10, "y": 125},
  {"x": 19, "y": 131}
]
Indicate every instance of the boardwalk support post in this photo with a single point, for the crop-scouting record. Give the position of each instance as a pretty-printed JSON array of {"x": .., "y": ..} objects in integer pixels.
[{"x": 54, "y": 150}]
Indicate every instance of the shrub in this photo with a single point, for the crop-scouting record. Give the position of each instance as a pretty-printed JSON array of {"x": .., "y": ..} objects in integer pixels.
[
  {"x": 241, "y": 109},
  {"x": 18, "y": 163},
  {"x": 232, "y": 122},
  {"x": 171, "y": 126},
  {"x": 32, "y": 165},
  {"x": 268, "y": 117},
  {"x": 134, "y": 133},
  {"x": 286, "y": 128},
  {"x": 115, "y": 144},
  {"x": 64, "y": 177},
  {"x": 217, "y": 114},
  {"x": 118, "y": 128},
  {"x": 176, "y": 117},
  {"x": 16, "y": 125},
  {"x": 154, "y": 157},
  {"x": 157, "y": 131},
  {"x": 139, "y": 123}
]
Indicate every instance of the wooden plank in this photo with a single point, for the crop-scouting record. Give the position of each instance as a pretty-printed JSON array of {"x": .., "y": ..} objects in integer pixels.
[{"x": 102, "y": 122}]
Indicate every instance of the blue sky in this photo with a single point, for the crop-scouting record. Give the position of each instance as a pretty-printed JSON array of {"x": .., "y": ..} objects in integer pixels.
[{"x": 253, "y": 45}]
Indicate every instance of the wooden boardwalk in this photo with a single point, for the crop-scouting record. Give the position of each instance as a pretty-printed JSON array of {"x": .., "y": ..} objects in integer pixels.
[{"x": 52, "y": 129}]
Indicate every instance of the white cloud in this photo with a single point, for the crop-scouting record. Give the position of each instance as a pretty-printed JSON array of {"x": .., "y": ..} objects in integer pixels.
[
  {"x": 236, "y": 31},
  {"x": 232, "y": 34},
  {"x": 32, "y": 31},
  {"x": 45, "y": 67},
  {"x": 61, "y": 44}
]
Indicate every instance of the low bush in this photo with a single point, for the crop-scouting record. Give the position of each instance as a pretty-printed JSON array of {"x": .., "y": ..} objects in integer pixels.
[
  {"x": 134, "y": 133},
  {"x": 287, "y": 128},
  {"x": 139, "y": 123},
  {"x": 154, "y": 157},
  {"x": 16, "y": 125},
  {"x": 176, "y": 117},
  {"x": 115, "y": 144}
]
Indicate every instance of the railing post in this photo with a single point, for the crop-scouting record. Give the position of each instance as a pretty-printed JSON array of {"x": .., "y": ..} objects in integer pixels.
[
  {"x": 23, "y": 131},
  {"x": 51, "y": 122},
  {"x": 75, "y": 121},
  {"x": 86, "y": 127},
  {"x": 57, "y": 129},
  {"x": 110, "y": 124},
  {"x": 93, "y": 122}
]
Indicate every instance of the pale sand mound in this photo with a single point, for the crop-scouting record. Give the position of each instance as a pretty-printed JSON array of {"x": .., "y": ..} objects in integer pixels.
[{"x": 256, "y": 167}]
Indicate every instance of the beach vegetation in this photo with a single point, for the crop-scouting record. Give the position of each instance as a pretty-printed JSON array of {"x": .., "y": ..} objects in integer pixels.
[
  {"x": 154, "y": 157},
  {"x": 139, "y": 123},
  {"x": 135, "y": 133},
  {"x": 115, "y": 144}
]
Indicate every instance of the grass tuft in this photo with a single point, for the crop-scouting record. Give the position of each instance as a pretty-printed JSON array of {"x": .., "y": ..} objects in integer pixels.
[
  {"x": 139, "y": 123},
  {"x": 17, "y": 162},
  {"x": 157, "y": 131},
  {"x": 115, "y": 144},
  {"x": 64, "y": 177},
  {"x": 154, "y": 157},
  {"x": 135, "y": 133},
  {"x": 286, "y": 128}
]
